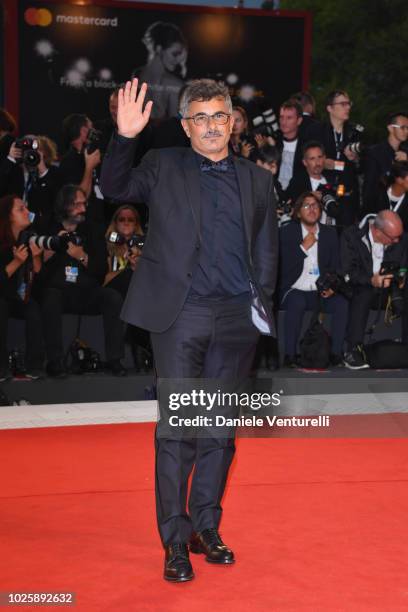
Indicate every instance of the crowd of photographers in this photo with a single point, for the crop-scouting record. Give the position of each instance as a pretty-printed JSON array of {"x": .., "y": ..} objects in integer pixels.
[{"x": 342, "y": 210}]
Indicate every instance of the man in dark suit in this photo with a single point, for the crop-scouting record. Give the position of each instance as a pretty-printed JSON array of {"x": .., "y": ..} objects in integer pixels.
[
  {"x": 289, "y": 142},
  {"x": 341, "y": 162},
  {"x": 308, "y": 104},
  {"x": 364, "y": 250},
  {"x": 380, "y": 157},
  {"x": 211, "y": 251},
  {"x": 395, "y": 195},
  {"x": 316, "y": 179},
  {"x": 308, "y": 250}
]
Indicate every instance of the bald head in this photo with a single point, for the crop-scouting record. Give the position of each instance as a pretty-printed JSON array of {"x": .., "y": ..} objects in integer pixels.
[{"x": 387, "y": 227}]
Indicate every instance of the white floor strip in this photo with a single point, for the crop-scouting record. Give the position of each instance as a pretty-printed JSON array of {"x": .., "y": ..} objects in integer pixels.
[{"x": 58, "y": 415}]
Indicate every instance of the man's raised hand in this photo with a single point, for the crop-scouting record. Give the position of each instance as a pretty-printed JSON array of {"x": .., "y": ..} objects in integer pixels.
[{"x": 131, "y": 116}]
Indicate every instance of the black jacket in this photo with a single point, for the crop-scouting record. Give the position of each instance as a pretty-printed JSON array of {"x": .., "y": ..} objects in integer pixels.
[
  {"x": 299, "y": 184},
  {"x": 94, "y": 244},
  {"x": 41, "y": 197},
  {"x": 168, "y": 181},
  {"x": 377, "y": 166},
  {"x": 355, "y": 254},
  {"x": 382, "y": 202},
  {"x": 8, "y": 285},
  {"x": 298, "y": 167},
  {"x": 292, "y": 257}
]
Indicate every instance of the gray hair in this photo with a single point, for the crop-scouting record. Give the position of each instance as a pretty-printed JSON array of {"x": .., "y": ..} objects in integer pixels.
[{"x": 202, "y": 90}]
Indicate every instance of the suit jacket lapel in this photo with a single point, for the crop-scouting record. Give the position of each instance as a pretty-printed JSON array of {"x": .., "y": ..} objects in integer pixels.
[
  {"x": 192, "y": 183},
  {"x": 247, "y": 204}
]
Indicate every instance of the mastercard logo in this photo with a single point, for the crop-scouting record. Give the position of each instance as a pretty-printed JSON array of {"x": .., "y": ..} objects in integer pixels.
[{"x": 38, "y": 17}]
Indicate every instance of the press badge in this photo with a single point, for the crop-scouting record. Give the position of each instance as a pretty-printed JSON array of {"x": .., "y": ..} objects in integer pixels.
[{"x": 71, "y": 274}]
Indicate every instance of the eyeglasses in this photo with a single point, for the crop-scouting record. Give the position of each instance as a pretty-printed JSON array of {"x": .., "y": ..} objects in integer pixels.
[
  {"x": 344, "y": 104},
  {"x": 124, "y": 219},
  {"x": 310, "y": 206},
  {"x": 401, "y": 127},
  {"x": 204, "y": 119}
]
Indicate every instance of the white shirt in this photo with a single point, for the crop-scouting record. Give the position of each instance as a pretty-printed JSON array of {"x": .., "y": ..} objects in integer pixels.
[
  {"x": 395, "y": 201},
  {"x": 377, "y": 252},
  {"x": 288, "y": 157},
  {"x": 310, "y": 274}
]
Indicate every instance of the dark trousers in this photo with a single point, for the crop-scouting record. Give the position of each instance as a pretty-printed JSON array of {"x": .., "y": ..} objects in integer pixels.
[
  {"x": 366, "y": 299},
  {"x": 101, "y": 300},
  {"x": 206, "y": 341},
  {"x": 296, "y": 303},
  {"x": 34, "y": 341}
]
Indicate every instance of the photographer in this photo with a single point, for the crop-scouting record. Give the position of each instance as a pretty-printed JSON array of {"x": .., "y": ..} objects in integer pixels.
[
  {"x": 122, "y": 257},
  {"x": 289, "y": 141},
  {"x": 28, "y": 171},
  {"x": 19, "y": 263},
  {"x": 241, "y": 143},
  {"x": 341, "y": 141},
  {"x": 124, "y": 239},
  {"x": 364, "y": 253},
  {"x": 380, "y": 157},
  {"x": 308, "y": 104},
  {"x": 72, "y": 278},
  {"x": 309, "y": 250},
  {"x": 316, "y": 179},
  {"x": 394, "y": 195},
  {"x": 268, "y": 157},
  {"x": 78, "y": 165}
]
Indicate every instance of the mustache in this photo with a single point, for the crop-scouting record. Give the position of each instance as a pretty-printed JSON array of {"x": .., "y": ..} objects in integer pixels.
[{"x": 212, "y": 133}]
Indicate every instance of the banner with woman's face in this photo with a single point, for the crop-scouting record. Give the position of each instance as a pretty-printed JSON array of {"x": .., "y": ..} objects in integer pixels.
[{"x": 72, "y": 56}]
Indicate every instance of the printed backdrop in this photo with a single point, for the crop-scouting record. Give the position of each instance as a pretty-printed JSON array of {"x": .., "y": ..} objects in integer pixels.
[{"x": 70, "y": 56}]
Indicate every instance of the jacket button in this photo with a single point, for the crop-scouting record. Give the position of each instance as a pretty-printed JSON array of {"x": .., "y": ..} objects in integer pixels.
[
  {"x": 197, "y": 247},
  {"x": 189, "y": 274}
]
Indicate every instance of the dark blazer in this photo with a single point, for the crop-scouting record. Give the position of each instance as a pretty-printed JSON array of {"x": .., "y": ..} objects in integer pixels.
[
  {"x": 382, "y": 202},
  {"x": 168, "y": 181},
  {"x": 355, "y": 254},
  {"x": 350, "y": 208},
  {"x": 300, "y": 183},
  {"x": 42, "y": 195},
  {"x": 292, "y": 256},
  {"x": 298, "y": 167}
]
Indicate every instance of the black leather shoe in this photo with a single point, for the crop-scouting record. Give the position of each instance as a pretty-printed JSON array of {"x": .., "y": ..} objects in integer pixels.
[
  {"x": 210, "y": 543},
  {"x": 177, "y": 566},
  {"x": 116, "y": 368}
]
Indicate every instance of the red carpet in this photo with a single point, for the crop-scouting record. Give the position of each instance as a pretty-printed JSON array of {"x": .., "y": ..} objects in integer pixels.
[{"x": 316, "y": 524}]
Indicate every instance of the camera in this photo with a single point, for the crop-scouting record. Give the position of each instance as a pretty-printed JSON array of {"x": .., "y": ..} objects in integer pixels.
[
  {"x": 330, "y": 203},
  {"x": 30, "y": 154},
  {"x": 266, "y": 124},
  {"x": 354, "y": 136},
  {"x": 285, "y": 206},
  {"x": 136, "y": 240},
  {"x": 335, "y": 282},
  {"x": 394, "y": 291},
  {"x": 94, "y": 140},
  {"x": 52, "y": 243}
]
